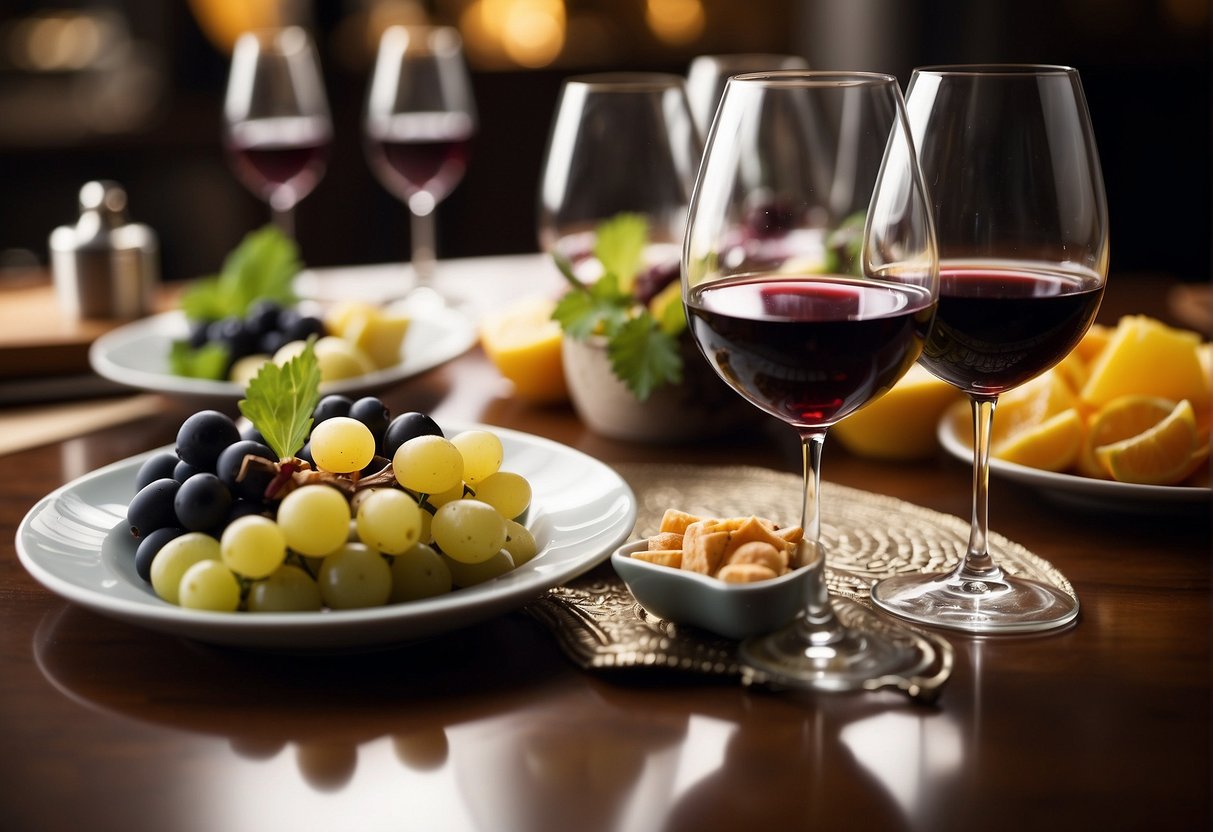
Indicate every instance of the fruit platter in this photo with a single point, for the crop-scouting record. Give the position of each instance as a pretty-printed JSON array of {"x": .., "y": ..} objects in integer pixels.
[{"x": 319, "y": 522}]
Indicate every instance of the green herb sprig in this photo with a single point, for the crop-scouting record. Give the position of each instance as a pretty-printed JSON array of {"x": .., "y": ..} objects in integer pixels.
[
  {"x": 643, "y": 350},
  {"x": 279, "y": 401}
]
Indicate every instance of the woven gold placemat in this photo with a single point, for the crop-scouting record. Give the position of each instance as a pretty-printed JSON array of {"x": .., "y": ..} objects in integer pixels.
[{"x": 867, "y": 537}]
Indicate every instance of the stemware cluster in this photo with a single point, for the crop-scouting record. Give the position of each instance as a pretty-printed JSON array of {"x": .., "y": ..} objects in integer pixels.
[
  {"x": 419, "y": 122},
  {"x": 839, "y": 232}
]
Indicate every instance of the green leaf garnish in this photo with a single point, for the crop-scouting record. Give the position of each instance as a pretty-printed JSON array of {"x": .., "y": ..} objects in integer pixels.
[
  {"x": 280, "y": 399},
  {"x": 644, "y": 357},
  {"x": 264, "y": 265},
  {"x": 598, "y": 308},
  {"x": 208, "y": 361},
  {"x": 619, "y": 245}
]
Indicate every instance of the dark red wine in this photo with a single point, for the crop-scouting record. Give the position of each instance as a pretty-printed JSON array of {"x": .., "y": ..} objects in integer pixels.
[
  {"x": 997, "y": 328},
  {"x": 421, "y": 153},
  {"x": 272, "y": 156},
  {"x": 809, "y": 349}
]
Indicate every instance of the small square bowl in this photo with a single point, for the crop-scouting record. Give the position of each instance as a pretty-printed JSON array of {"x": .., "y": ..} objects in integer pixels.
[{"x": 735, "y": 611}]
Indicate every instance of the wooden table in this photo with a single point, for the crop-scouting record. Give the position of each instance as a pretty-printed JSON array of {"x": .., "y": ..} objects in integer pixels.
[{"x": 105, "y": 726}]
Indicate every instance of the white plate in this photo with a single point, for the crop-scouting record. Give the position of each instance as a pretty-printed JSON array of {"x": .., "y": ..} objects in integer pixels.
[
  {"x": 1073, "y": 490},
  {"x": 136, "y": 354},
  {"x": 75, "y": 542}
]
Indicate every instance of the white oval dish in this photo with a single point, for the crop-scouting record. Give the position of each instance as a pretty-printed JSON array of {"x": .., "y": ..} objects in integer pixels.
[
  {"x": 1073, "y": 490},
  {"x": 74, "y": 541},
  {"x": 735, "y": 611},
  {"x": 136, "y": 355}
]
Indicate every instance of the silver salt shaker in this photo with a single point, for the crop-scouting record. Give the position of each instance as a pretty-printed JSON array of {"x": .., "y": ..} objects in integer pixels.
[{"x": 104, "y": 266}]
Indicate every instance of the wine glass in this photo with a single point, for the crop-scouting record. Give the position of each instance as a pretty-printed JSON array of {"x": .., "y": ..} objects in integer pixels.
[
  {"x": 277, "y": 128},
  {"x": 620, "y": 143},
  {"x": 810, "y": 278},
  {"x": 1010, "y": 160},
  {"x": 419, "y": 123},
  {"x": 707, "y": 74}
]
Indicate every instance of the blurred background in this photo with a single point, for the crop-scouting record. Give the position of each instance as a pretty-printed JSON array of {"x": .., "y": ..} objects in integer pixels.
[{"x": 131, "y": 90}]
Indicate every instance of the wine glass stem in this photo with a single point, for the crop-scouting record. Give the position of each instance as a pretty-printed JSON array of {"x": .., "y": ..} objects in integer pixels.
[
  {"x": 284, "y": 218},
  {"x": 421, "y": 232},
  {"x": 819, "y": 614},
  {"x": 977, "y": 564}
]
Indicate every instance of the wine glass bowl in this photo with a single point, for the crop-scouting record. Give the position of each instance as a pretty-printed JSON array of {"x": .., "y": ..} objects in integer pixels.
[
  {"x": 277, "y": 127},
  {"x": 810, "y": 280},
  {"x": 620, "y": 143},
  {"x": 707, "y": 74},
  {"x": 1009, "y": 156},
  {"x": 419, "y": 125}
]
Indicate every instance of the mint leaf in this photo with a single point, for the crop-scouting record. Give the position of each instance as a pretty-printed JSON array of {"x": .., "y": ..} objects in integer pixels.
[
  {"x": 208, "y": 361},
  {"x": 590, "y": 309},
  {"x": 264, "y": 265},
  {"x": 644, "y": 357},
  {"x": 619, "y": 245},
  {"x": 280, "y": 399}
]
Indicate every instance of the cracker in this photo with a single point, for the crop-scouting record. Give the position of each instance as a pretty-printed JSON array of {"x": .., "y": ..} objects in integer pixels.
[
  {"x": 744, "y": 573},
  {"x": 665, "y": 540},
  {"x": 703, "y": 549},
  {"x": 676, "y": 521},
  {"x": 662, "y": 557},
  {"x": 762, "y": 553}
]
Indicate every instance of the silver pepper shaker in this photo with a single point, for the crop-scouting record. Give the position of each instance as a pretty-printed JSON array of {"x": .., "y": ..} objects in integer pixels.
[{"x": 104, "y": 266}]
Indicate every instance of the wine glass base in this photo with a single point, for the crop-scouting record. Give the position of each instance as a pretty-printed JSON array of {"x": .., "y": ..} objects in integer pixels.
[
  {"x": 856, "y": 651},
  {"x": 1008, "y": 605}
]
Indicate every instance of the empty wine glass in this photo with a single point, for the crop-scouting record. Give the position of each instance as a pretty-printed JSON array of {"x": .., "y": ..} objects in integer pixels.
[
  {"x": 707, "y": 74},
  {"x": 620, "y": 143},
  {"x": 810, "y": 280},
  {"x": 419, "y": 123},
  {"x": 277, "y": 128},
  {"x": 1009, "y": 156}
]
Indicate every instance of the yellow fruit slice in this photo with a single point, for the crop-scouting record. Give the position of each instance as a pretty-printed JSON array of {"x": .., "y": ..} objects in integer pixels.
[
  {"x": 1030, "y": 405},
  {"x": 1053, "y": 445},
  {"x": 1073, "y": 370},
  {"x": 1161, "y": 455},
  {"x": 1093, "y": 342},
  {"x": 1121, "y": 418},
  {"x": 1147, "y": 358},
  {"x": 380, "y": 335},
  {"x": 901, "y": 424},
  {"x": 523, "y": 342}
]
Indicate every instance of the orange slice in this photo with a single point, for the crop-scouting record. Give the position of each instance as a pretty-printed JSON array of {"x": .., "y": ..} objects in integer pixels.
[
  {"x": 901, "y": 424},
  {"x": 1052, "y": 445},
  {"x": 1093, "y": 342},
  {"x": 1121, "y": 418},
  {"x": 523, "y": 342},
  {"x": 1161, "y": 455},
  {"x": 1030, "y": 405},
  {"x": 1146, "y": 357}
]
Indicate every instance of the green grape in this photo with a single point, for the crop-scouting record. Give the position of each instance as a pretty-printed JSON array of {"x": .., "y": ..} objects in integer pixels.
[
  {"x": 178, "y": 555},
  {"x": 389, "y": 521},
  {"x": 253, "y": 546},
  {"x": 288, "y": 589},
  {"x": 342, "y": 445},
  {"x": 427, "y": 531},
  {"x": 468, "y": 530},
  {"x": 519, "y": 542},
  {"x": 505, "y": 491},
  {"x": 470, "y": 574},
  {"x": 315, "y": 519},
  {"x": 209, "y": 585},
  {"x": 353, "y": 577},
  {"x": 482, "y": 453},
  {"x": 443, "y": 497},
  {"x": 419, "y": 572},
  {"x": 428, "y": 464}
]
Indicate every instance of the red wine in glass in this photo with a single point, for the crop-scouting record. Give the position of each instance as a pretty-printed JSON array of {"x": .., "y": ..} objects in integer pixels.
[
  {"x": 421, "y": 153},
  {"x": 280, "y": 159},
  {"x": 809, "y": 349},
  {"x": 996, "y": 327}
]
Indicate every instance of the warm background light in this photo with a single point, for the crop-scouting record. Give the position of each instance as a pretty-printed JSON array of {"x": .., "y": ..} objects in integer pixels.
[{"x": 675, "y": 21}]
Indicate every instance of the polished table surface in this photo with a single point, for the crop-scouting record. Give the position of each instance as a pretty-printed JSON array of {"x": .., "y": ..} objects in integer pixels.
[{"x": 1106, "y": 725}]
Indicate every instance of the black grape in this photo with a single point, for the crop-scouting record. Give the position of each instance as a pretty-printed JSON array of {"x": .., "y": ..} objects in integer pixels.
[
  {"x": 202, "y": 503},
  {"x": 374, "y": 414},
  {"x": 150, "y": 546},
  {"x": 152, "y": 507},
  {"x": 331, "y": 406},
  {"x": 227, "y": 468},
  {"x": 158, "y": 467},
  {"x": 183, "y": 471},
  {"x": 203, "y": 436},
  {"x": 408, "y": 426}
]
